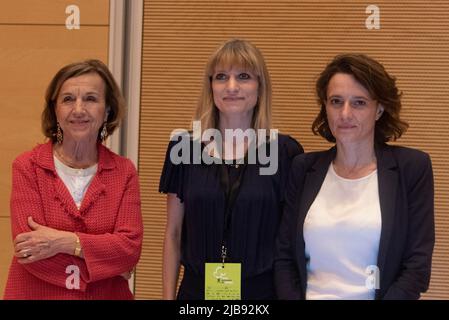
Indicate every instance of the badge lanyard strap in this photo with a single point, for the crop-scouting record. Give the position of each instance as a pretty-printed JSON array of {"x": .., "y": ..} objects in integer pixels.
[{"x": 231, "y": 193}]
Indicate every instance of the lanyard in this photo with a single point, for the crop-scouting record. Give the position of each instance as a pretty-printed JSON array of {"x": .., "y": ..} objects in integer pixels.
[{"x": 231, "y": 193}]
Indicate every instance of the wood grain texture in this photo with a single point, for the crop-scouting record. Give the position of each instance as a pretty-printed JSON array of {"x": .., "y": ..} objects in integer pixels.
[{"x": 92, "y": 12}]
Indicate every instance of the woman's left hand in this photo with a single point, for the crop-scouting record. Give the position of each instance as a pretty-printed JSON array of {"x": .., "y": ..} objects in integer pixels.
[{"x": 38, "y": 244}]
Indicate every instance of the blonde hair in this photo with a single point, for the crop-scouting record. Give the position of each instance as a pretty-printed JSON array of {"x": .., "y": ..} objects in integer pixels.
[{"x": 241, "y": 53}]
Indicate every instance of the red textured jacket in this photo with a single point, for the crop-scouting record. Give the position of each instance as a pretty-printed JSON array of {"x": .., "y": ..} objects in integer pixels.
[{"x": 108, "y": 224}]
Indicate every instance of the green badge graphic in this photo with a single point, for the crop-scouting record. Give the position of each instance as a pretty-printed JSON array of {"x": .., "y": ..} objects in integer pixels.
[{"x": 223, "y": 281}]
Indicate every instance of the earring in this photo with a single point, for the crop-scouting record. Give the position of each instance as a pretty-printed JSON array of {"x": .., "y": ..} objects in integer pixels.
[
  {"x": 379, "y": 114},
  {"x": 104, "y": 132},
  {"x": 58, "y": 133},
  {"x": 380, "y": 110}
]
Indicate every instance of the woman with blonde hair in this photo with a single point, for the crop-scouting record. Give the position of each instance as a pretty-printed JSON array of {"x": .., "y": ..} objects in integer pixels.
[{"x": 222, "y": 217}]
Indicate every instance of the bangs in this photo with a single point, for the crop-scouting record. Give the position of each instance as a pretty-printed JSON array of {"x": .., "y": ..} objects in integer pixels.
[{"x": 234, "y": 57}]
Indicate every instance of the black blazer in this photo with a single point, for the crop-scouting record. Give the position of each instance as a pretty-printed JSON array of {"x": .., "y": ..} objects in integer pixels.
[{"x": 407, "y": 238}]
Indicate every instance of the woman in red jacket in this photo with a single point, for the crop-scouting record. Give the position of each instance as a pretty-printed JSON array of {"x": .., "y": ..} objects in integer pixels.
[{"x": 75, "y": 205}]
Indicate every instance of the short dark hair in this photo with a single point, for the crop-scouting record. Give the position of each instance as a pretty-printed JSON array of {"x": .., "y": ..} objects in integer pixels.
[
  {"x": 380, "y": 85},
  {"x": 113, "y": 96}
]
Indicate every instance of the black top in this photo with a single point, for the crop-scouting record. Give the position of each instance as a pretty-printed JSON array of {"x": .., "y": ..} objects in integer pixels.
[{"x": 255, "y": 217}]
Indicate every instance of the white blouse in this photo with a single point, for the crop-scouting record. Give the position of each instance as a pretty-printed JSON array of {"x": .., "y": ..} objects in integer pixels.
[
  {"x": 342, "y": 233},
  {"x": 76, "y": 180}
]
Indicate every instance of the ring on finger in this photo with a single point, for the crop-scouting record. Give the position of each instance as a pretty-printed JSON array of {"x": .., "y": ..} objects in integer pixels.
[{"x": 26, "y": 253}]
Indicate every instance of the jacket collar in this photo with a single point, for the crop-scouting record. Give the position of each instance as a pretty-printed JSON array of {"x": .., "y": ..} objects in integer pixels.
[
  {"x": 387, "y": 175},
  {"x": 44, "y": 157},
  {"x": 314, "y": 179}
]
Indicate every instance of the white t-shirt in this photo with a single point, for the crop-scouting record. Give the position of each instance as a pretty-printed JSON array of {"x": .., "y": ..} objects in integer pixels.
[
  {"x": 342, "y": 233},
  {"x": 76, "y": 180}
]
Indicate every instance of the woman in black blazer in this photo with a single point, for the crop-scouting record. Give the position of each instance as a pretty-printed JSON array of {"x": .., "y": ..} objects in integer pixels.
[{"x": 358, "y": 221}]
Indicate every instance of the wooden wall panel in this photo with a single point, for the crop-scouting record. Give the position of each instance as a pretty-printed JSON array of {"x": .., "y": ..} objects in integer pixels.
[
  {"x": 297, "y": 38},
  {"x": 92, "y": 12}
]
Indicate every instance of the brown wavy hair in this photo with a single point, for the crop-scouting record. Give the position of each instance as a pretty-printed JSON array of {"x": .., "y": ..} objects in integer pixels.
[
  {"x": 113, "y": 96},
  {"x": 380, "y": 85}
]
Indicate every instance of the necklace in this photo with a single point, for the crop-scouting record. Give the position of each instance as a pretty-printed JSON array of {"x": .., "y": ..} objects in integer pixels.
[
  {"x": 69, "y": 163},
  {"x": 234, "y": 164}
]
